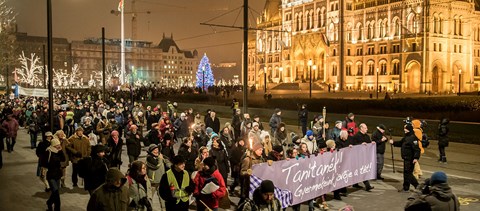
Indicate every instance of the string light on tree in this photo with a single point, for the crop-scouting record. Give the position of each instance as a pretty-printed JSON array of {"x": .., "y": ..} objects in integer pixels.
[{"x": 204, "y": 68}]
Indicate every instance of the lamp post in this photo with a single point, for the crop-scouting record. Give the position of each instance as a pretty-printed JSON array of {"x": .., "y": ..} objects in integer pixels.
[
  {"x": 310, "y": 63},
  {"x": 377, "y": 84},
  {"x": 459, "y": 81},
  {"x": 264, "y": 80},
  {"x": 281, "y": 73}
]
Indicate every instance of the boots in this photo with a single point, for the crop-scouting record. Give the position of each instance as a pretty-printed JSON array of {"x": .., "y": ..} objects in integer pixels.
[{"x": 444, "y": 159}]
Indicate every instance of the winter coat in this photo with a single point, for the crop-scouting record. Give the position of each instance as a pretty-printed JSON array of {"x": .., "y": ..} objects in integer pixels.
[
  {"x": 97, "y": 171},
  {"x": 104, "y": 129},
  {"x": 259, "y": 204},
  {"x": 137, "y": 192},
  {"x": 109, "y": 198},
  {"x": 311, "y": 145},
  {"x": 377, "y": 138},
  {"x": 360, "y": 138},
  {"x": 280, "y": 138},
  {"x": 350, "y": 126},
  {"x": 78, "y": 148},
  {"x": 275, "y": 121},
  {"x": 87, "y": 129},
  {"x": 115, "y": 151},
  {"x": 409, "y": 147},
  {"x": 166, "y": 193},
  {"x": 236, "y": 158},
  {"x": 133, "y": 144},
  {"x": 65, "y": 143},
  {"x": 12, "y": 128},
  {"x": 211, "y": 200},
  {"x": 303, "y": 116},
  {"x": 213, "y": 123},
  {"x": 440, "y": 198},
  {"x": 222, "y": 161},
  {"x": 181, "y": 128},
  {"x": 443, "y": 133},
  {"x": 156, "y": 167},
  {"x": 343, "y": 143},
  {"x": 52, "y": 161},
  {"x": 189, "y": 157}
]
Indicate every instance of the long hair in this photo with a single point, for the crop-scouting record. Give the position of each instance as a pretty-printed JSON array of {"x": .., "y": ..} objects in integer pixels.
[{"x": 135, "y": 169}]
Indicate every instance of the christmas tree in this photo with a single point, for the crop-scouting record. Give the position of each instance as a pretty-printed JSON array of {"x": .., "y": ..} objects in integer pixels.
[{"x": 204, "y": 68}]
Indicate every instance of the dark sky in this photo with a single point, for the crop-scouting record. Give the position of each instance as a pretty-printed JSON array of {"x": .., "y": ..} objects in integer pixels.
[{"x": 79, "y": 19}]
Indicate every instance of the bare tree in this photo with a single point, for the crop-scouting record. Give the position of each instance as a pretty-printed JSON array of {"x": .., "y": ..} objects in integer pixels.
[{"x": 30, "y": 69}]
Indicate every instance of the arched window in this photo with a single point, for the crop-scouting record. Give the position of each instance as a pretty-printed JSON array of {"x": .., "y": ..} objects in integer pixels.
[
  {"x": 440, "y": 25},
  {"x": 370, "y": 30},
  {"x": 476, "y": 71},
  {"x": 334, "y": 69},
  {"x": 324, "y": 17},
  {"x": 383, "y": 68},
  {"x": 371, "y": 68},
  {"x": 397, "y": 27},
  {"x": 348, "y": 69},
  {"x": 395, "y": 68},
  {"x": 308, "y": 19},
  {"x": 455, "y": 25},
  {"x": 297, "y": 22},
  {"x": 381, "y": 27},
  {"x": 435, "y": 25},
  {"x": 460, "y": 26},
  {"x": 412, "y": 23},
  {"x": 359, "y": 69},
  {"x": 359, "y": 31},
  {"x": 319, "y": 18}
]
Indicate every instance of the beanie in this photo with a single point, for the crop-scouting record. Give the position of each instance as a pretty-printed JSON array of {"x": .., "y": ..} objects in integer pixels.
[
  {"x": 152, "y": 147},
  {"x": 278, "y": 148},
  {"x": 209, "y": 161},
  {"x": 257, "y": 146},
  {"x": 438, "y": 177},
  {"x": 209, "y": 130},
  {"x": 309, "y": 133},
  {"x": 381, "y": 126},
  {"x": 267, "y": 186},
  {"x": 167, "y": 136},
  {"x": 177, "y": 159},
  {"x": 113, "y": 175},
  {"x": 55, "y": 142}
]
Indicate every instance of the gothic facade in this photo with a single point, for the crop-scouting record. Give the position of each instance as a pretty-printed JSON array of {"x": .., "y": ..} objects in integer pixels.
[{"x": 407, "y": 46}]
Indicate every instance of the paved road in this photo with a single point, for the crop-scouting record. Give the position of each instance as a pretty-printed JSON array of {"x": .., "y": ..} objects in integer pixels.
[{"x": 21, "y": 190}]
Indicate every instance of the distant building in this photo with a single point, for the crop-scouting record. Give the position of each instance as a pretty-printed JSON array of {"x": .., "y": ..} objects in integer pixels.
[
  {"x": 164, "y": 64},
  {"x": 384, "y": 45}
]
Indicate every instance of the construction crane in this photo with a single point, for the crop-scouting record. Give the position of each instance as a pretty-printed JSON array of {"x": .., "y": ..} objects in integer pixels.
[{"x": 134, "y": 14}]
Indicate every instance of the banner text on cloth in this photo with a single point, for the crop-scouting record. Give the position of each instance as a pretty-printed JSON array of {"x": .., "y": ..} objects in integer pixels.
[{"x": 308, "y": 178}]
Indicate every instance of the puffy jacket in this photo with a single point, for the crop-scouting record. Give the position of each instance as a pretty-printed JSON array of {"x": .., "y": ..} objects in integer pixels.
[
  {"x": 211, "y": 200},
  {"x": 410, "y": 149},
  {"x": 79, "y": 147},
  {"x": 440, "y": 198}
]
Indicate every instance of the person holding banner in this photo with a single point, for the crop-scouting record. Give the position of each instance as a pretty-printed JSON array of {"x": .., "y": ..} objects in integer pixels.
[
  {"x": 379, "y": 138},
  {"x": 410, "y": 154},
  {"x": 362, "y": 138},
  {"x": 253, "y": 157},
  {"x": 263, "y": 199}
]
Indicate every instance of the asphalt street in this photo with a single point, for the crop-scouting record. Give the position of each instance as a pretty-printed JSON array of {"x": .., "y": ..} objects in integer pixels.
[{"x": 22, "y": 190}]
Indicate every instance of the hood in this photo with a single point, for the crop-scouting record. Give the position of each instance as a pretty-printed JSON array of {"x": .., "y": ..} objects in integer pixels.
[
  {"x": 113, "y": 175},
  {"x": 442, "y": 191}
]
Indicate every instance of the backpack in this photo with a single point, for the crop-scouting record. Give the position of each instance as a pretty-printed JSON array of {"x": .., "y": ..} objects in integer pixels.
[
  {"x": 425, "y": 140},
  {"x": 83, "y": 166},
  {"x": 241, "y": 206}
]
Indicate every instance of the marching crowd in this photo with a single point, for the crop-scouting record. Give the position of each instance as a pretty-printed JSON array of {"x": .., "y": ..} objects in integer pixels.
[{"x": 90, "y": 134}]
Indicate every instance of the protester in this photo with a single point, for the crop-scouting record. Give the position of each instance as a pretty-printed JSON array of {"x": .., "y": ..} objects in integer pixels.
[
  {"x": 189, "y": 154},
  {"x": 11, "y": 125},
  {"x": 33, "y": 129},
  {"x": 253, "y": 157},
  {"x": 203, "y": 153},
  {"x": 434, "y": 194},
  {"x": 176, "y": 186},
  {"x": 104, "y": 129},
  {"x": 303, "y": 118},
  {"x": 380, "y": 139},
  {"x": 350, "y": 125},
  {"x": 40, "y": 151},
  {"x": 219, "y": 152},
  {"x": 79, "y": 148},
  {"x": 362, "y": 138},
  {"x": 209, "y": 186},
  {"x": 115, "y": 144},
  {"x": 97, "y": 169},
  {"x": 443, "y": 139},
  {"x": 410, "y": 154},
  {"x": 238, "y": 151},
  {"x": 213, "y": 122},
  {"x": 51, "y": 160},
  {"x": 263, "y": 198},
  {"x": 237, "y": 123},
  {"x": 156, "y": 167},
  {"x": 111, "y": 195},
  {"x": 139, "y": 187},
  {"x": 310, "y": 142},
  {"x": 134, "y": 146},
  {"x": 275, "y": 120},
  {"x": 60, "y": 135}
]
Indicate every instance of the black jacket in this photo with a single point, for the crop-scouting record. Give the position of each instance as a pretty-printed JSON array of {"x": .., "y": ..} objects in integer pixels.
[
  {"x": 189, "y": 157},
  {"x": 377, "y": 137},
  {"x": 359, "y": 138},
  {"x": 96, "y": 173},
  {"x": 133, "y": 144},
  {"x": 303, "y": 115},
  {"x": 115, "y": 151},
  {"x": 409, "y": 145},
  {"x": 52, "y": 161},
  {"x": 213, "y": 123}
]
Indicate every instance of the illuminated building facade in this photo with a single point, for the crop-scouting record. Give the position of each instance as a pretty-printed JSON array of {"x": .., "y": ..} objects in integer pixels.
[{"x": 383, "y": 45}]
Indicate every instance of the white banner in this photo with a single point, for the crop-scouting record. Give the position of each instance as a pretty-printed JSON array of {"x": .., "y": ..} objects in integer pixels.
[
  {"x": 310, "y": 177},
  {"x": 36, "y": 92}
]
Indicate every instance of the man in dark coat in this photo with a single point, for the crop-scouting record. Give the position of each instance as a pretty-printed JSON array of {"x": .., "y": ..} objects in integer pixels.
[
  {"x": 303, "y": 118},
  {"x": 112, "y": 195},
  {"x": 237, "y": 123},
  {"x": 176, "y": 178},
  {"x": 133, "y": 144},
  {"x": 379, "y": 138},
  {"x": 98, "y": 167},
  {"x": 362, "y": 138},
  {"x": 443, "y": 139},
  {"x": 213, "y": 122},
  {"x": 275, "y": 120},
  {"x": 410, "y": 154}
]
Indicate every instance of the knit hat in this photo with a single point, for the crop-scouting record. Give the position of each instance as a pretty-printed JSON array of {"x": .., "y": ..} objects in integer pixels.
[
  {"x": 278, "y": 148},
  {"x": 167, "y": 136},
  {"x": 178, "y": 159},
  {"x": 48, "y": 134},
  {"x": 309, "y": 133},
  {"x": 264, "y": 134},
  {"x": 113, "y": 175},
  {"x": 54, "y": 142},
  {"x": 350, "y": 115},
  {"x": 267, "y": 186},
  {"x": 209, "y": 130},
  {"x": 438, "y": 177},
  {"x": 381, "y": 126},
  {"x": 255, "y": 124},
  {"x": 257, "y": 146},
  {"x": 330, "y": 144},
  {"x": 98, "y": 148},
  {"x": 214, "y": 135},
  {"x": 209, "y": 161},
  {"x": 152, "y": 147}
]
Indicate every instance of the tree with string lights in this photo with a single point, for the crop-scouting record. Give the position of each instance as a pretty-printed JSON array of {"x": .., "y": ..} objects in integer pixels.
[{"x": 204, "y": 74}]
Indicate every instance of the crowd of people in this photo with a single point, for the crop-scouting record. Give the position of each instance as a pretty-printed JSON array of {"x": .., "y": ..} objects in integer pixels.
[{"x": 91, "y": 134}]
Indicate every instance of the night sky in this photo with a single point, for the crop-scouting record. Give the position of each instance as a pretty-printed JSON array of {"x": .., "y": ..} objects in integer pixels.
[{"x": 80, "y": 19}]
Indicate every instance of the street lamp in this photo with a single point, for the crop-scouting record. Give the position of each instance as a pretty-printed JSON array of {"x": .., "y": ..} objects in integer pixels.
[
  {"x": 310, "y": 63},
  {"x": 459, "y": 81},
  {"x": 281, "y": 73},
  {"x": 264, "y": 80},
  {"x": 377, "y": 84}
]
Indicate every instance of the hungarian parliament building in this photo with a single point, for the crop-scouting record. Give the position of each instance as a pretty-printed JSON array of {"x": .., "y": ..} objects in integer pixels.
[{"x": 411, "y": 46}]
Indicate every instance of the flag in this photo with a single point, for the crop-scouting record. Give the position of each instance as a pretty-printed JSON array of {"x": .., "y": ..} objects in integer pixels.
[{"x": 120, "y": 5}]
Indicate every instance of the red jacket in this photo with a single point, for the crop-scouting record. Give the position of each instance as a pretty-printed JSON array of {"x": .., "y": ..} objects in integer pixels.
[{"x": 211, "y": 200}]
